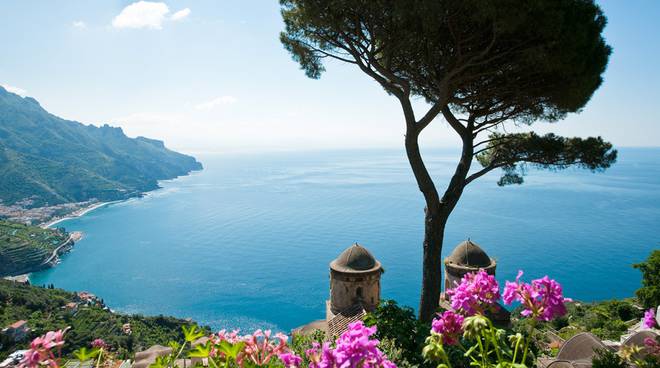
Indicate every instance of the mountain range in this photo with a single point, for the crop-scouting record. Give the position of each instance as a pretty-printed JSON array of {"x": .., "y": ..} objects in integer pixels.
[{"x": 47, "y": 160}]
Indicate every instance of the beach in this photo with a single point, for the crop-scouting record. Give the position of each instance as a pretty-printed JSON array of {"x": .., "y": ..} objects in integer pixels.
[{"x": 76, "y": 213}]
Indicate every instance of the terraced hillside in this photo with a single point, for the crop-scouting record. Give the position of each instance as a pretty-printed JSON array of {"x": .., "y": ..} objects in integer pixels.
[
  {"x": 49, "y": 309},
  {"x": 24, "y": 248}
]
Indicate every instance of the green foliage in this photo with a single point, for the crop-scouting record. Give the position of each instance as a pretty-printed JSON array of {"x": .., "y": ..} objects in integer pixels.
[
  {"x": 405, "y": 333},
  {"x": 525, "y": 59},
  {"x": 300, "y": 343},
  {"x": 49, "y": 160},
  {"x": 43, "y": 309},
  {"x": 606, "y": 358},
  {"x": 483, "y": 345},
  {"x": 190, "y": 334},
  {"x": 607, "y": 319},
  {"x": 515, "y": 151},
  {"x": 83, "y": 354},
  {"x": 22, "y": 247},
  {"x": 649, "y": 293}
]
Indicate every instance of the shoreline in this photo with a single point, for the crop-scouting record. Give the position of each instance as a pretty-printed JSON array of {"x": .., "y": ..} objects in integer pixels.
[
  {"x": 51, "y": 261},
  {"x": 78, "y": 213}
]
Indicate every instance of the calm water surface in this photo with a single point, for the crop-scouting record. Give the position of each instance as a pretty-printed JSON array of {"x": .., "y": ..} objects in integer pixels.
[{"x": 247, "y": 241}]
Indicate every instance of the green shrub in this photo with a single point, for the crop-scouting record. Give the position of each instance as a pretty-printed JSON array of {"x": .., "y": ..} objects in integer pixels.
[
  {"x": 606, "y": 358},
  {"x": 405, "y": 334},
  {"x": 649, "y": 293}
]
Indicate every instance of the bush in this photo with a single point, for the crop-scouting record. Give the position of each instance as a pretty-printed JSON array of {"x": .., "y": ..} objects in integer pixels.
[
  {"x": 606, "y": 358},
  {"x": 405, "y": 334},
  {"x": 649, "y": 293}
]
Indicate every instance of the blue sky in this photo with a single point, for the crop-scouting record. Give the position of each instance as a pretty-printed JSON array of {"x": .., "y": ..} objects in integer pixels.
[{"x": 211, "y": 76}]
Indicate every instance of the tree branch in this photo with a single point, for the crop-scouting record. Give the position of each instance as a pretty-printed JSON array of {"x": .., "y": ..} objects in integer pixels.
[
  {"x": 481, "y": 173},
  {"x": 453, "y": 122}
]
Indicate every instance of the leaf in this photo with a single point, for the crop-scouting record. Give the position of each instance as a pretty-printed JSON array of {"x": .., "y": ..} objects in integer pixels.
[
  {"x": 83, "y": 354},
  {"x": 192, "y": 333},
  {"x": 470, "y": 350},
  {"x": 161, "y": 362},
  {"x": 231, "y": 350},
  {"x": 174, "y": 345},
  {"x": 201, "y": 351}
]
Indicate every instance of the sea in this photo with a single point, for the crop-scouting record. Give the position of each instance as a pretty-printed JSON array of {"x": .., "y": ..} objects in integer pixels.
[{"x": 246, "y": 242}]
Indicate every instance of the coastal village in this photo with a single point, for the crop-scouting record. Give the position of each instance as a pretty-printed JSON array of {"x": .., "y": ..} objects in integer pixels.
[{"x": 23, "y": 212}]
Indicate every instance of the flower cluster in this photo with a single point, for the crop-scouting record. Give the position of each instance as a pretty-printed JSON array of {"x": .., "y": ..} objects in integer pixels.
[
  {"x": 260, "y": 347},
  {"x": 99, "y": 344},
  {"x": 41, "y": 350},
  {"x": 652, "y": 347},
  {"x": 354, "y": 348},
  {"x": 649, "y": 318},
  {"x": 290, "y": 360},
  {"x": 476, "y": 293},
  {"x": 449, "y": 325},
  {"x": 224, "y": 335},
  {"x": 542, "y": 299},
  {"x": 231, "y": 337},
  {"x": 479, "y": 292}
]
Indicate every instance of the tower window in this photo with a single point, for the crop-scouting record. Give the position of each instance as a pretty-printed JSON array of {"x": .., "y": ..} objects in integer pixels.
[{"x": 358, "y": 292}]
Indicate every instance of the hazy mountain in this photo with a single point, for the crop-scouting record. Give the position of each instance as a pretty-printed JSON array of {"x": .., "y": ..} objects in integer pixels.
[{"x": 51, "y": 160}]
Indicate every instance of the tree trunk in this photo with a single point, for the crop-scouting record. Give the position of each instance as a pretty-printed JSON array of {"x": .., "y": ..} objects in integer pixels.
[
  {"x": 435, "y": 219},
  {"x": 434, "y": 231}
]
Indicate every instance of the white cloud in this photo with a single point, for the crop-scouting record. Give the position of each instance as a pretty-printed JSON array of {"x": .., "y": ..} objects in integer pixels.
[
  {"x": 79, "y": 24},
  {"x": 147, "y": 14},
  {"x": 16, "y": 90},
  {"x": 142, "y": 14},
  {"x": 181, "y": 14},
  {"x": 223, "y": 100}
]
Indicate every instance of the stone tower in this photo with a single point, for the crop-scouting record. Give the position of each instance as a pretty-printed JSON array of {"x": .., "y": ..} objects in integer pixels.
[
  {"x": 467, "y": 257},
  {"x": 354, "y": 281}
]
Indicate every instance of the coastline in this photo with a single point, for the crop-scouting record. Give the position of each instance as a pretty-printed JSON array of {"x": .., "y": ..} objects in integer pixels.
[
  {"x": 78, "y": 213},
  {"x": 51, "y": 261}
]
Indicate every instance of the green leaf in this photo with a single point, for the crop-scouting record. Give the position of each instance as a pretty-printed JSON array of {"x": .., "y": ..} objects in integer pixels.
[
  {"x": 231, "y": 350},
  {"x": 192, "y": 333},
  {"x": 201, "y": 351},
  {"x": 83, "y": 354}
]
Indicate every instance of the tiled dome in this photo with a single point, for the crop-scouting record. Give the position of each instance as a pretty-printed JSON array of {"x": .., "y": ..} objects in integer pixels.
[{"x": 355, "y": 259}]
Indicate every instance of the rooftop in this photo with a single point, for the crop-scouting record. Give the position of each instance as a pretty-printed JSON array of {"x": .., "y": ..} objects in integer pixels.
[
  {"x": 355, "y": 259},
  {"x": 469, "y": 254},
  {"x": 18, "y": 324}
]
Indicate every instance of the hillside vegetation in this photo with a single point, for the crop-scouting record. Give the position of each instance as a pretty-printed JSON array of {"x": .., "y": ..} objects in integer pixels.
[
  {"x": 24, "y": 248},
  {"x": 48, "y": 160},
  {"x": 43, "y": 309}
]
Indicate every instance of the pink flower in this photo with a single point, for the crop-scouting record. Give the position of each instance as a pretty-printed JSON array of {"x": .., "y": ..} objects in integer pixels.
[
  {"x": 40, "y": 353},
  {"x": 476, "y": 293},
  {"x": 290, "y": 360},
  {"x": 542, "y": 299},
  {"x": 449, "y": 325},
  {"x": 649, "y": 318},
  {"x": 260, "y": 347},
  {"x": 314, "y": 355},
  {"x": 652, "y": 346},
  {"x": 354, "y": 348},
  {"x": 99, "y": 343},
  {"x": 31, "y": 359}
]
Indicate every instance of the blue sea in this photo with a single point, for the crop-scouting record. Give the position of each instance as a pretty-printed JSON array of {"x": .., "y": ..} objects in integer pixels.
[{"x": 247, "y": 241}]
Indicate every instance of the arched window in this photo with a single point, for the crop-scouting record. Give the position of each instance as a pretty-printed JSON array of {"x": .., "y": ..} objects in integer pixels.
[{"x": 358, "y": 292}]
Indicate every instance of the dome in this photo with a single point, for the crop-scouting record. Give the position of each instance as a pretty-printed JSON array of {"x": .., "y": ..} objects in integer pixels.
[
  {"x": 469, "y": 254},
  {"x": 356, "y": 259}
]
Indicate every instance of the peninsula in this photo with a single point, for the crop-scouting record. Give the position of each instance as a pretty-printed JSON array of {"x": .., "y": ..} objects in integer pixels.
[{"x": 51, "y": 166}]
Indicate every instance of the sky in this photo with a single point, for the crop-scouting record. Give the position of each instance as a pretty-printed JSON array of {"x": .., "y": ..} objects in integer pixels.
[{"x": 212, "y": 76}]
